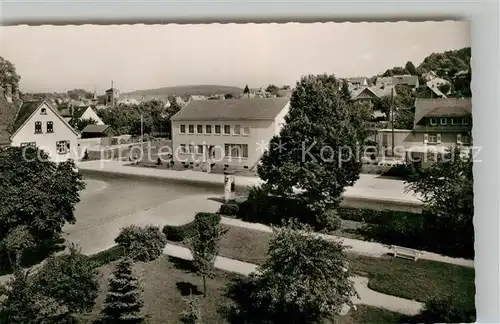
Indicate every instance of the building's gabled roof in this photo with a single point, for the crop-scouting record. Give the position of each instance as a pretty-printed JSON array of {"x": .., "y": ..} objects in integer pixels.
[
  {"x": 235, "y": 109},
  {"x": 79, "y": 112},
  {"x": 93, "y": 128},
  {"x": 445, "y": 107},
  {"x": 27, "y": 110},
  {"x": 376, "y": 91},
  {"x": 436, "y": 91}
]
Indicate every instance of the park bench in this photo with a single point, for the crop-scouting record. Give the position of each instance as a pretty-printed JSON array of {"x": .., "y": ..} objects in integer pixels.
[{"x": 406, "y": 253}]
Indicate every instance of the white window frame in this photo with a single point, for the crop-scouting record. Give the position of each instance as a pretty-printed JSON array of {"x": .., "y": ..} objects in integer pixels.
[
  {"x": 207, "y": 128},
  {"x": 198, "y": 129},
  {"x": 215, "y": 129},
  {"x": 454, "y": 121},
  {"x": 237, "y": 127},
  {"x": 183, "y": 148},
  {"x": 189, "y": 129},
  {"x": 224, "y": 130},
  {"x": 465, "y": 121},
  {"x": 236, "y": 151},
  {"x": 43, "y": 111},
  {"x": 246, "y": 130},
  {"x": 199, "y": 149},
  {"x": 180, "y": 129},
  {"x": 443, "y": 119},
  {"x": 432, "y": 138},
  {"x": 62, "y": 147},
  {"x": 432, "y": 121}
]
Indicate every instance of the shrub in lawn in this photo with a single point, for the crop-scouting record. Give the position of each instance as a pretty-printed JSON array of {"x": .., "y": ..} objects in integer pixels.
[
  {"x": 178, "y": 233},
  {"x": 448, "y": 309},
  {"x": 329, "y": 220},
  {"x": 229, "y": 209},
  {"x": 142, "y": 243}
]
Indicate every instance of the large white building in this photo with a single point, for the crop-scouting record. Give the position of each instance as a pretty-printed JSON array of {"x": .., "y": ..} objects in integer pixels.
[
  {"x": 231, "y": 132},
  {"x": 38, "y": 124}
]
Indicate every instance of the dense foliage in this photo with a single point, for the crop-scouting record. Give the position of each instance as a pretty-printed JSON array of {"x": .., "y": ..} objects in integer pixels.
[
  {"x": 8, "y": 74},
  {"x": 142, "y": 243},
  {"x": 126, "y": 119},
  {"x": 80, "y": 124},
  {"x": 38, "y": 196},
  {"x": 191, "y": 315},
  {"x": 448, "y": 195},
  {"x": 123, "y": 303},
  {"x": 204, "y": 244},
  {"x": 304, "y": 280},
  {"x": 315, "y": 151}
]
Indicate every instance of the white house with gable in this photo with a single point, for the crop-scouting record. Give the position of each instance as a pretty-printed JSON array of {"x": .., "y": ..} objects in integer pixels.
[
  {"x": 227, "y": 132},
  {"x": 39, "y": 124},
  {"x": 85, "y": 113}
]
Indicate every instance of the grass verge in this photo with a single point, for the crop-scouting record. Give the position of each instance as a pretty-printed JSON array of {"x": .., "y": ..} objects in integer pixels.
[{"x": 392, "y": 276}]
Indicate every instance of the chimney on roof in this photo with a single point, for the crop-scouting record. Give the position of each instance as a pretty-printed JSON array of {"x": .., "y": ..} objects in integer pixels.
[{"x": 8, "y": 92}]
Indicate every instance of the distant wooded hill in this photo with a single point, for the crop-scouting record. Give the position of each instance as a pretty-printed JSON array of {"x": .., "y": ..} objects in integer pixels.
[{"x": 185, "y": 91}]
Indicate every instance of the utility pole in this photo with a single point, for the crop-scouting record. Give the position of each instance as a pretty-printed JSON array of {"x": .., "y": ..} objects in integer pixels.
[
  {"x": 112, "y": 95},
  {"x": 392, "y": 119}
]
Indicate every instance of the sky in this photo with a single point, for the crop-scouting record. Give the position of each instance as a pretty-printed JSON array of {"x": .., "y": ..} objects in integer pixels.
[{"x": 137, "y": 57}]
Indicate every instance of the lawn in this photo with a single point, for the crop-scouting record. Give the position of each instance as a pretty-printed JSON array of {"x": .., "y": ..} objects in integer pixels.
[
  {"x": 167, "y": 280},
  {"x": 397, "y": 277}
]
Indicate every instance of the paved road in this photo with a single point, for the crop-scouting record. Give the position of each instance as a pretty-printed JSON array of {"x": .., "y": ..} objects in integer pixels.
[{"x": 108, "y": 204}]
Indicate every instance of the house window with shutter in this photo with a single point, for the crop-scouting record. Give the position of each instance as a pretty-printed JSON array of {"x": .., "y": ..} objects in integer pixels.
[
  {"x": 50, "y": 127},
  {"x": 38, "y": 127},
  {"x": 182, "y": 129}
]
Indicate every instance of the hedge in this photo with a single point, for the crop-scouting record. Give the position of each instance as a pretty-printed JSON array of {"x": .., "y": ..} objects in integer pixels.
[
  {"x": 372, "y": 216},
  {"x": 181, "y": 232},
  {"x": 229, "y": 209},
  {"x": 142, "y": 243}
]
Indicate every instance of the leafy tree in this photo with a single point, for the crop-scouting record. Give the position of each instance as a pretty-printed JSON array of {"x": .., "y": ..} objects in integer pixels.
[
  {"x": 315, "y": 151},
  {"x": 397, "y": 70},
  {"x": 448, "y": 63},
  {"x": 16, "y": 242},
  {"x": 123, "y": 303},
  {"x": 142, "y": 243},
  {"x": 22, "y": 304},
  {"x": 76, "y": 94},
  {"x": 447, "y": 191},
  {"x": 191, "y": 315},
  {"x": 70, "y": 279},
  {"x": 344, "y": 92},
  {"x": 444, "y": 88},
  {"x": 204, "y": 244},
  {"x": 304, "y": 279},
  {"x": 403, "y": 118},
  {"x": 246, "y": 90},
  {"x": 36, "y": 193},
  {"x": 447, "y": 309},
  {"x": 272, "y": 89},
  {"x": 410, "y": 68},
  {"x": 80, "y": 124},
  {"x": 8, "y": 74}
]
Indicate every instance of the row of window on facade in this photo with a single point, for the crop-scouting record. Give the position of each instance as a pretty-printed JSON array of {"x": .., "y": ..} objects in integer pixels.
[
  {"x": 62, "y": 147},
  {"x": 49, "y": 127},
  {"x": 444, "y": 121},
  {"x": 230, "y": 150},
  {"x": 435, "y": 138},
  {"x": 236, "y": 130}
]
